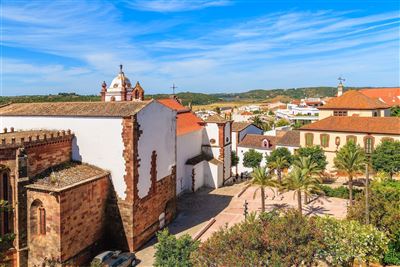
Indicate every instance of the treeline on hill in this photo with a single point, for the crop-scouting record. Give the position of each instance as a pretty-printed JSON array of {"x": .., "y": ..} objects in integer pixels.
[
  {"x": 188, "y": 97},
  {"x": 294, "y": 93},
  {"x": 61, "y": 97}
]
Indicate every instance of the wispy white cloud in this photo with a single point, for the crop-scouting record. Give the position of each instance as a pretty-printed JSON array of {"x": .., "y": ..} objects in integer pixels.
[
  {"x": 252, "y": 53},
  {"x": 166, "y": 6}
]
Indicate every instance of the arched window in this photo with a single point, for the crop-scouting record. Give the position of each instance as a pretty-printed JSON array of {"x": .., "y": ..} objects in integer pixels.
[
  {"x": 369, "y": 144},
  {"x": 265, "y": 143},
  {"x": 136, "y": 94},
  {"x": 37, "y": 218}
]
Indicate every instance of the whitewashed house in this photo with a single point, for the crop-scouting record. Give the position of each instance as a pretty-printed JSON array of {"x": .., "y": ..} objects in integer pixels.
[
  {"x": 203, "y": 149},
  {"x": 263, "y": 144}
]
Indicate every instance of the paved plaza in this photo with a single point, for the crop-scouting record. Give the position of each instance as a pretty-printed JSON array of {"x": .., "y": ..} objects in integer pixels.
[{"x": 195, "y": 210}]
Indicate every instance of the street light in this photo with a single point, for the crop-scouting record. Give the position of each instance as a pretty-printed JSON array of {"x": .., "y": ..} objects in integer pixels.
[{"x": 368, "y": 151}]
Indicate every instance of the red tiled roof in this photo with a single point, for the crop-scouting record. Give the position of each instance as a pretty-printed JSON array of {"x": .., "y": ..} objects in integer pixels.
[
  {"x": 391, "y": 96},
  {"x": 354, "y": 100},
  {"x": 187, "y": 122},
  {"x": 91, "y": 109},
  {"x": 256, "y": 141},
  {"x": 376, "y": 125},
  {"x": 244, "y": 113},
  {"x": 172, "y": 104},
  {"x": 290, "y": 138},
  {"x": 240, "y": 126},
  {"x": 216, "y": 118}
]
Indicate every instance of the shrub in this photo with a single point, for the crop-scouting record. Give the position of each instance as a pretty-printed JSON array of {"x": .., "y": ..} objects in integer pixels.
[
  {"x": 386, "y": 157},
  {"x": 271, "y": 240},
  {"x": 347, "y": 241},
  {"x": 172, "y": 251},
  {"x": 339, "y": 192},
  {"x": 384, "y": 214}
]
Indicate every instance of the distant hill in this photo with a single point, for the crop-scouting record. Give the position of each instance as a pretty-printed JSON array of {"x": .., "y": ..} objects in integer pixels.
[
  {"x": 188, "y": 97},
  {"x": 61, "y": 97},
  {"x": 194, "y": 98}
]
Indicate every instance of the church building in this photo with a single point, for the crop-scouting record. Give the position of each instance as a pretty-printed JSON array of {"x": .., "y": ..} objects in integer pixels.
[{"x": 79, "y": 173}]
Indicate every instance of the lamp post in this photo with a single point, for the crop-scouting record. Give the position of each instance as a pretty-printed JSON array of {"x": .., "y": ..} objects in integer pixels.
[
  {"x": 245, "y": 211},
  {"x": 368, "y": 154}
]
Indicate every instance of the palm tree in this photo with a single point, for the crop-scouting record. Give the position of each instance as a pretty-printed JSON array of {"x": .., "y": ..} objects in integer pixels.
[
  {"x": 278, "y": 164},
  {"x": 311, "y": 168},
  {"x": 351, "y": 160},
  {"x": 300, "y": 182},
  {"x": 257, "y": 121},
  {"x": 262, "y": 179}
]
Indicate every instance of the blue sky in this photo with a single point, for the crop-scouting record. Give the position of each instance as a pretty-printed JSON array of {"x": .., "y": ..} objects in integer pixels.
[{"x": 200, "y": 45}]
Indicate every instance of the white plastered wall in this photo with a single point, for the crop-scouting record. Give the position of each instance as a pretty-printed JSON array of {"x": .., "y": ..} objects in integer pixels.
[
  {"x": 97, "y": 140},
  {"x": 188, "y": 146},
  {"x": 158, "y": 125}
]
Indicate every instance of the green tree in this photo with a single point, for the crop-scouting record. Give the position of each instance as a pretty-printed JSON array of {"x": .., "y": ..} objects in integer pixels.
[
  {"x": 351, "y": 160},
  {"x": 252, "y": 159},
  {"x": 172, "y": 251},
  {"x": 234, "y": 159},
  {"x": 347, "y": 241},
  {"x": 257, "y": 121},
  {"x": 395, "y": 111},
  {"x": 384, "y": 214},
  {"x": 311, "y": 168},
  {"x": 386, "y": 157},
  {"x": 278, "y": 160},
  {"x": 262, "y": 179},
  {"x": 282, "y": 122},
  {"x": 316, "y": 153},
  {"x": 218, "y": 110},
  {"x": 300, "y": 182}
]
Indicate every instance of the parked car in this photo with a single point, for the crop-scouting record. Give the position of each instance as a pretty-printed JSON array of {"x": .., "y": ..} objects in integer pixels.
[
  {"x": 104, "y": 256},
  {"x": 125, "y": 259}
]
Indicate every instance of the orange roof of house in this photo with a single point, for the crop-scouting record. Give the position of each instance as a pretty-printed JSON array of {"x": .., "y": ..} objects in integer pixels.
[
  {"x": 373, "y": 125},
  {"x": 172, "y": 104},
  {"x": 186, "y": 121},
  {"x": 391, "y": 96},
  {"x": 354, "y": 100},
  {"x": 244, "y": 113}
]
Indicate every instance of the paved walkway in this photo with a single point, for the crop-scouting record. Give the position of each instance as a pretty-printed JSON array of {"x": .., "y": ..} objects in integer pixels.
[{"x": 195, "y": 210}]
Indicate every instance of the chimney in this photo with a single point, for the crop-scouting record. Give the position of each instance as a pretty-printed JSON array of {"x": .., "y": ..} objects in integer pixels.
[{"x": 340, "y": 89}]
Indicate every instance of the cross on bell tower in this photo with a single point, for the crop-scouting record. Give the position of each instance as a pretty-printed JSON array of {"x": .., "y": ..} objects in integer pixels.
[{"x": 173, "y": 87}]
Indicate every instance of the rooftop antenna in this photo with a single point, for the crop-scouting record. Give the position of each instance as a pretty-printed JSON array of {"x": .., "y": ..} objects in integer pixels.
[
  {"x": 120, "y": 68},
  {"x": 173, "y": 87}
]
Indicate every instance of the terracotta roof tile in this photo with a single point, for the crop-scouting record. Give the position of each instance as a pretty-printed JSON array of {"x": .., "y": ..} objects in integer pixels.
[
  {"x": 377, "y": 125},
  {"x": 216, "y": 118},
  {"x": 240, "y": 126},
  {"x": 354, "y": 100},
  {"x": 187, "y": 122},
  {"x": 172, "y": 104},
  {"x": 91, "y": 109},
  {"x": 391, "y": 96},
  {"x": 66, "y": 175},
  {"x": 257, "y": 141},
  {"x": 290, "y": 138}
]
